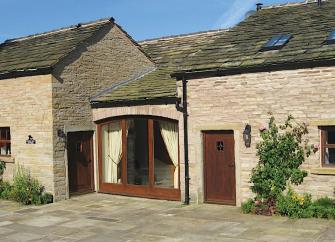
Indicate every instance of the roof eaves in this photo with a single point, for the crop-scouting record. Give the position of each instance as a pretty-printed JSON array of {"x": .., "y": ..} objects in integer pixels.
[
  {"x": 136, "y": 102},
  {"x": 26, "y": 72},
  {"x": 205, "y": 73}
]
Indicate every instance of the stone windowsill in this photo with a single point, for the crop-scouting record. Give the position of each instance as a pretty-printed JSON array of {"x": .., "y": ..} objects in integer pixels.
[
  {"x": 7, "y": 159},
  {"x": 323, "y": 171}
]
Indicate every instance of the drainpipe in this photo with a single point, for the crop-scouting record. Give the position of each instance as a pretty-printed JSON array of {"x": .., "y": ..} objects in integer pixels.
[
  {"x": 185, "y": 114},
  {"x": 183, "y": 109}
]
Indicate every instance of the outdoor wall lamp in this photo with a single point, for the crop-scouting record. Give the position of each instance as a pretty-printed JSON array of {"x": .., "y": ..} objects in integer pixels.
[
  {"x": 61, "y": 134},
  {"x": 30, "y": 140},
  {"x": 247, "y": 135}
]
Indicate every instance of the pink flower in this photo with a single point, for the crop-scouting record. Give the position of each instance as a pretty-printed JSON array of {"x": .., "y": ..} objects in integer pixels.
[
  {"x": 316, "y": 146},
  {"x": 263, "y": 128}
]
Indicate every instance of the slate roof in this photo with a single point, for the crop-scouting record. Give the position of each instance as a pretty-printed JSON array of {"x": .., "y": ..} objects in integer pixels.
[
  {"x": 168, "y": 53},
  {"x": 43, "y": 51},
  {"x": 239, "y": 48}
]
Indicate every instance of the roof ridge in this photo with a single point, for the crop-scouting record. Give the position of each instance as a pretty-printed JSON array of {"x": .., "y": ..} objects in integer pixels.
[
  {"x": 292, "y": 4},
  {"x": 183, "y": 35},
  {"x": 86, "y": 24}
]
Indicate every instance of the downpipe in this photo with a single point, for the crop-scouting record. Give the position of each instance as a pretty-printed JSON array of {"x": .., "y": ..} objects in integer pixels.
[{"x": 184, "y": 110}]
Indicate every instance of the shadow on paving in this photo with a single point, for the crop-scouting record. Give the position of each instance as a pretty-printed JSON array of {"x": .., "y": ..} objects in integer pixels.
[{"x": 101, "y": 217}]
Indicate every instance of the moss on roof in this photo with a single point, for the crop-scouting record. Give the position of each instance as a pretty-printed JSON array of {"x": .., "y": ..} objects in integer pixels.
[
  {"x": 44, "y": 50},
  {"x": 239, "y": 48},
  {"x": 168, "y": 53}
]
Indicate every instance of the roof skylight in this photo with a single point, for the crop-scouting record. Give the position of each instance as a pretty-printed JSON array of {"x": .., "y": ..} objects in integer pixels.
[
  {"x": 331, "y": 37},
  {"x": 277, "y": 42}
]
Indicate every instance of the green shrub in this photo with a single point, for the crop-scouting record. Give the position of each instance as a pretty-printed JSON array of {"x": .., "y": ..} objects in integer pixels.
[
  {"x": 323, "y": 208},
  {"x": 5, "y": 190},
  {"x": 281, "y": 152},
  {"x": 324, "y": 202},
  {"x": 248, "y": 206},
  {"x": 2, "y": 168},
  {"x": 26, "y": 189},
  {"x": 294, "y": 205}
]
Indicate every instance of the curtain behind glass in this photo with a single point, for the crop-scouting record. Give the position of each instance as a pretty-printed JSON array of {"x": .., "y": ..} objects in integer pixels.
[
  {"x": 111, "y": 152},
  {"x": 169, "y": 133}
]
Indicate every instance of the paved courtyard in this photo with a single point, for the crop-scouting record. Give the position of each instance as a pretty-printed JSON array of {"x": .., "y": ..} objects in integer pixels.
[{"x": 100, "y": 217}]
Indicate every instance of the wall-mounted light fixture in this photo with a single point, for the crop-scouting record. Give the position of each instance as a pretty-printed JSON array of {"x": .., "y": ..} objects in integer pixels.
[
  {"x": 61, "y": 133},
  {"x": 247, "y": 135},
  {"x": 30, "y": 140}
]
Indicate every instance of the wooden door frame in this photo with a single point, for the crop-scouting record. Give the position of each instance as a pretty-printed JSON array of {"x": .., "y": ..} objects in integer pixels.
[
  {"x": 92, "y": 188},
  {"x": 227, "y": 202},
  {"x": 149, "y": 191}
]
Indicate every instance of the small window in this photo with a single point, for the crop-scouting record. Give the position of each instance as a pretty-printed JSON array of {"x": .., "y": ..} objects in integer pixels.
[
  {"x": 331, "y": 37},
  {"x": 219, "y": 145},
  {"x": 328, "y": 145},
  {"x": 5, "y": 149},
  {"x": 277, "y": 42}
]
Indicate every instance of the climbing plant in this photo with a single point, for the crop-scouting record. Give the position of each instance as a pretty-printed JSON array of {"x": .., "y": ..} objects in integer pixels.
[{"x": 281, "y": 151}]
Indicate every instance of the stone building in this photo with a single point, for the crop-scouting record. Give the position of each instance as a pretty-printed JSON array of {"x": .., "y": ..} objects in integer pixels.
[
  {"x": 166, "y": 118},
  {"x": 280, "y": 60},
  {"x": 46, "y": 82}
]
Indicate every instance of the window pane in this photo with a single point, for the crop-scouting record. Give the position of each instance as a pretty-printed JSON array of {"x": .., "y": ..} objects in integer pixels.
[
  {"x": 331, "y": 137},
  {"x": 4, "y": 134},
  {"x": 330, "y": 156},
  {"x": 137, "y": 152},
  {"x": 5, "y": 149},
  {"x": 112, "y": 152},
  {"x": 166, "y": 154}
]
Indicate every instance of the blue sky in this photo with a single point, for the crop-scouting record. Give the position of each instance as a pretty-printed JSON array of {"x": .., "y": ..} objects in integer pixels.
[{"x": 142, "y": 19}]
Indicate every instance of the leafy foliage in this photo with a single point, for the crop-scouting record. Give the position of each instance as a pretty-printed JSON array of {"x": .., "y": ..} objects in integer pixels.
[
  {"x": 281, "y": 152},
  {"x": 301, "y": 206},
  {"x": 294, "y": 205},
  {"x": 248, "y": 206},
  {"x": 2, "y": 167},
  {"x": 25, "y": 189}
]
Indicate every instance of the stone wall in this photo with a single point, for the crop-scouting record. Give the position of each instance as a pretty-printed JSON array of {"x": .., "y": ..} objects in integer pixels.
[
  {"x": 26, "y": 107},
  {"x": 230, "y": 102},
  {"x": 102, "y": 61}
]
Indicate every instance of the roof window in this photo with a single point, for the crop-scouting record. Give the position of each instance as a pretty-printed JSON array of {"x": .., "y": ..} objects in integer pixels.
[
  {"x": 331, "y": 37},
  {"x": 277, "y": 42}
]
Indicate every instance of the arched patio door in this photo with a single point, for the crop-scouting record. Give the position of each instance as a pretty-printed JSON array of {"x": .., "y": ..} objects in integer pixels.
[{"x": 139, "y": 156}]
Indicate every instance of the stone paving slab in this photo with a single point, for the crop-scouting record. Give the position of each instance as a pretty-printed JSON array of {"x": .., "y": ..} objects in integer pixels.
[{"x": 101, "y": 217}]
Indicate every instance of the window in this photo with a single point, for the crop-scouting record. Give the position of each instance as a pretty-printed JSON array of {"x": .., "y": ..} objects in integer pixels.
[
  {"x": 331, "y": 37},
  {"x": 5, "y": 141},
  {"x": 277, "y": 42},
  {"x": 328, "y": 145},
  {"x": 140, "y": 155}
]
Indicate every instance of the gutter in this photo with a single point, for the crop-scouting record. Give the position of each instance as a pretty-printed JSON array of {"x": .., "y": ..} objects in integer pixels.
[
  {"x": 23, "y": 73},
  {"x": 205, "y": 73},
  {"x": 184, "y": 110}
]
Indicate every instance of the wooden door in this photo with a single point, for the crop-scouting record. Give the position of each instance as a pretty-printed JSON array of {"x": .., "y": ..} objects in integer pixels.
[
  {"x": 219, "y": 167},
  {"x": 80, "y": 161}
]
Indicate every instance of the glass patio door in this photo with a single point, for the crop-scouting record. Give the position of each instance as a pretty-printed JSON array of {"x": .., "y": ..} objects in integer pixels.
[{"x": 139, "y": 156}]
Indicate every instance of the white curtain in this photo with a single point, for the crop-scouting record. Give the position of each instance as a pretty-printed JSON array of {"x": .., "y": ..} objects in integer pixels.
[
  {"x": 169, "y": 133},
  {"x": 112, "y": 151}
]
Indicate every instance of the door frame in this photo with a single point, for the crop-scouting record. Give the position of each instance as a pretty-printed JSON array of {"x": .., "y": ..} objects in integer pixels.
[
  {"x": 129, "y": 189},
  {"x": 235, "y": 128},
  {"x": 92, "y": 185}
]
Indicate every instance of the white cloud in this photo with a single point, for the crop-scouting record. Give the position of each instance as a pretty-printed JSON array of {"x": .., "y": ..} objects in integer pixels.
[{"x": 235, "y": 13}]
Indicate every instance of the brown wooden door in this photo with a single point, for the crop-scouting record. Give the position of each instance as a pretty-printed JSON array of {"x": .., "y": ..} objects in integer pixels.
[
  {"x": 219, "y": 167},
  {"x": 80, "y": 161}
]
